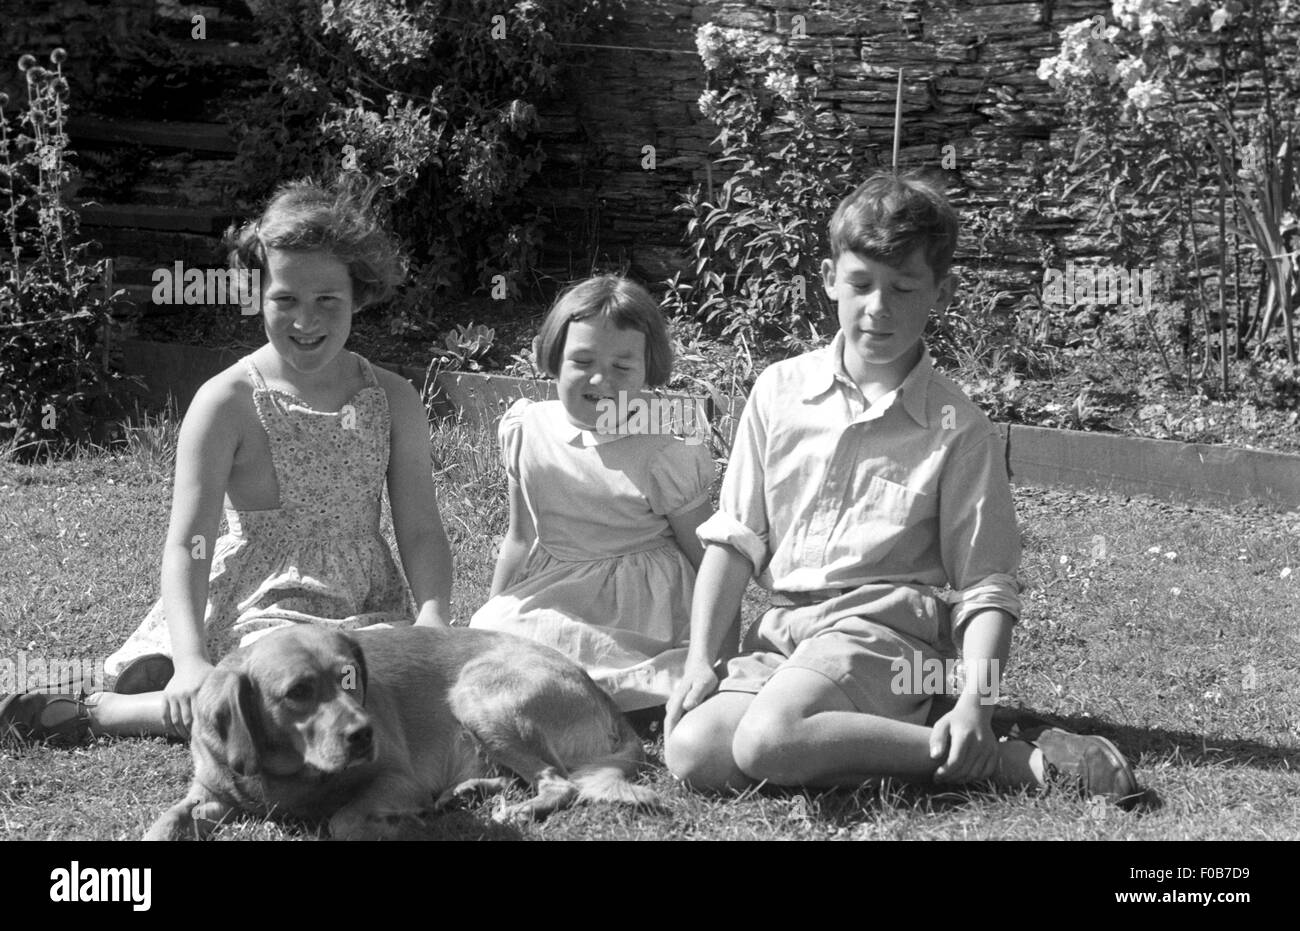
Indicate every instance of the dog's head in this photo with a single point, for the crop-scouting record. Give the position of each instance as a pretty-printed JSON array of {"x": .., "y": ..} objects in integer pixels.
[{"x": 289, "y": 703}]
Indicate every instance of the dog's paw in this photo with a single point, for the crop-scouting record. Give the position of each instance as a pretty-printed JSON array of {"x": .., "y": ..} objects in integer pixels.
[
  {"x": 520, "y": 814},
  {"x": 179, "y": 823},
  {"x": 171, "y": 827},
  {"x": 471, "y": 788}
]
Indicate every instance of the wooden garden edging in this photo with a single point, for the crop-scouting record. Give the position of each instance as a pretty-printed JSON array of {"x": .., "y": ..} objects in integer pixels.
[{"x": 1035, "y": 455}]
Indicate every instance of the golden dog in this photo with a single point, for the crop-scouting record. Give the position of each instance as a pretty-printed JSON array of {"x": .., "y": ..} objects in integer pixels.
[{"x": 369, "y": 728}]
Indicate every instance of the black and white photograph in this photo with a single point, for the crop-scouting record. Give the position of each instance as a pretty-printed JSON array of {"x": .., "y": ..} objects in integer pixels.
[{"x": 652, "y": 420}]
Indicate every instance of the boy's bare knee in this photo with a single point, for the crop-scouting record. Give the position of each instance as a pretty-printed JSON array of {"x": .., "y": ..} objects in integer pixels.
[
  {"x": 698, "y": 752},
  {"x": 762, "y": 748}
]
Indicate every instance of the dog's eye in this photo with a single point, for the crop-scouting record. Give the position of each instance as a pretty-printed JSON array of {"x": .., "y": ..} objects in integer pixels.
[{"x": 300, "y": 691}]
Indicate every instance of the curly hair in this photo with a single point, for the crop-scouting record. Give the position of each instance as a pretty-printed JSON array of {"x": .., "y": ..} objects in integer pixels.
[
  {"x": 337, "y": 218},
  {"x": 888, "y": 216}
]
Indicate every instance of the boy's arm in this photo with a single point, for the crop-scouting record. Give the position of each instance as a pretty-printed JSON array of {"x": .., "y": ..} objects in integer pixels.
[
  {"x": 719, "y": 588},
  {"x": 417, "y": 524},
  {"x": 979, "y": 539},
  {"x": 981, "y": 554},
  {"x": 735, "y": 548},
  {"x": 963, "y": 738}
]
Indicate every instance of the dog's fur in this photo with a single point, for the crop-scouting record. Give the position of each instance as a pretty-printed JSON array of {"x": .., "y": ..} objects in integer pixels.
[{"x": 368, "y": 728}]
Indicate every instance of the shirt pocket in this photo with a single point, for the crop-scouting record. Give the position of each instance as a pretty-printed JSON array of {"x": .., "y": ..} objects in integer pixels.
[{"x": 875, "y": 517}]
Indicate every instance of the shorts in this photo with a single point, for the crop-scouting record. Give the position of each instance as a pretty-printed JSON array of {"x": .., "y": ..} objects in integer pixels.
[{"x": 887, "y": 647}]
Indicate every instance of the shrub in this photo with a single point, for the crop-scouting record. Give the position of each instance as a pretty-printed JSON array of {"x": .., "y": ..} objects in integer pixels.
[
  {"x": 438, "y": 99},
  {"x": 758, "y": 243},
  {"x": 1168, "y": 142}
]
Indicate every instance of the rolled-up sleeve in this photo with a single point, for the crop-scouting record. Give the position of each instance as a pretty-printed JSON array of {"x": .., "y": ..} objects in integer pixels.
[
  {"x": 741, "y": 521},
  {"x": 978, "y": 535}
]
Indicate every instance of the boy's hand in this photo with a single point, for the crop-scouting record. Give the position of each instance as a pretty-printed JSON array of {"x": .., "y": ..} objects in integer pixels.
[
  {"x": 699, "y": 681},
  {"x": 963, "y": 739},
  {"x": 178, "y": 711}
]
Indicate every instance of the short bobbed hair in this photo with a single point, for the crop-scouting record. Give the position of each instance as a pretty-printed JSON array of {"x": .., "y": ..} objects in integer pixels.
[
  {"x": 625, "y": 304},
  {"x": 305, "y": 216},
  {"x": 888, "y": 216}
]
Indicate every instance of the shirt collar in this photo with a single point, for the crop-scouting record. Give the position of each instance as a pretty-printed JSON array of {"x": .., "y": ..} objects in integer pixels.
[
  {"x": 827, "y": 367},
  {"x": 577, "y": 436}
]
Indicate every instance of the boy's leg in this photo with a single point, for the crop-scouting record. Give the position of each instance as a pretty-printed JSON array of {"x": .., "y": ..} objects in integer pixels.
[
  {"x": 801, "y": 729},
  {"x": 698, "y": 751}
]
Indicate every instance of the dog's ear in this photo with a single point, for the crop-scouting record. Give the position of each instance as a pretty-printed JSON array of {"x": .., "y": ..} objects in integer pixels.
[
  {"x": 234, "y": 713},
  {"x": 355, "y": 676}
]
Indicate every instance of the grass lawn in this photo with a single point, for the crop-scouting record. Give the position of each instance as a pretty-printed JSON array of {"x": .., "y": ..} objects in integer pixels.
[{"x": 1170, "y": 629}]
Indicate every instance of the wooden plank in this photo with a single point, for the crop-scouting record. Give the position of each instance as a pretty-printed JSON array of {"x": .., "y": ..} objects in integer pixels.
[
  {"x": 1162, "y": 468},
  {"x": 482, "y": 399}
]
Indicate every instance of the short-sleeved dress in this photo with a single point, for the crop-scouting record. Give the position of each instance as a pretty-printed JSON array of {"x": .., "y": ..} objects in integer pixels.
[
  {"x": 605, "y": 582},
  {"x": 319, "y": 558}
]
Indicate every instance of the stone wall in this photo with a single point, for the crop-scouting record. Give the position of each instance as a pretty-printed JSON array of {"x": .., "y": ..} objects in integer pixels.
[{"x": 970, "y": 82}]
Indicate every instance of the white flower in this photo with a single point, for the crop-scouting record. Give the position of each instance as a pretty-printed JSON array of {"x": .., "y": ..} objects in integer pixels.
[
  {"x": 708, "y": 43},
  {"x": 782, "y": 83},
  {"x": 1146, "y": 94},
  {"x": 708, "y": 103},
  {"x": 1130, "y": 71},
  {"x": 1285, "y": 573}
]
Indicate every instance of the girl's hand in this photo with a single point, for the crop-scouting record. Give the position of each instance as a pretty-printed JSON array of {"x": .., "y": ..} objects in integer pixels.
[
  {"x": 178, "y": 713},
  {"x": 964, "y": 741},
  {"x": 698, "y": 682}
]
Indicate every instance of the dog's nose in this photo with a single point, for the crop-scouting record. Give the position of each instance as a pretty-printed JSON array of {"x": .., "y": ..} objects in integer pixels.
[{"x": 360, "y": 742}]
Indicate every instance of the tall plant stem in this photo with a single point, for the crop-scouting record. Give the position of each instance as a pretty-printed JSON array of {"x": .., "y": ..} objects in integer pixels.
[{"x": 1223, "y": 262}]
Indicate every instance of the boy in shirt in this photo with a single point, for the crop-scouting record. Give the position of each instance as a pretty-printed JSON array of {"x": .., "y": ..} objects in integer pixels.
[{"x": 861, "y": 480}]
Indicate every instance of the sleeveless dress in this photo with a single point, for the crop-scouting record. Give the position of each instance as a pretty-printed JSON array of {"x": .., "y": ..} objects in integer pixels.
[
  {"x": 319, "y": 558},
  {"x": 605, "y": 583}
]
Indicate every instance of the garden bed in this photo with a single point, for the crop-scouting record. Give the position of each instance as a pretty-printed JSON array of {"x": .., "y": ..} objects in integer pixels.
[{"x": 1099, "y": 394}]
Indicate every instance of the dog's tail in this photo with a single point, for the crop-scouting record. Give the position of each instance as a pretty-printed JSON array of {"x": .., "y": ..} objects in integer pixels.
[{"x": 608, "y": 779}]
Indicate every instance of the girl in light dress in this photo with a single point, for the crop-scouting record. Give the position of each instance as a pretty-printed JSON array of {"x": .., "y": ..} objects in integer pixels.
[
  {"x": 297, "y": 441},
  {"x": 600, "y": 556}
]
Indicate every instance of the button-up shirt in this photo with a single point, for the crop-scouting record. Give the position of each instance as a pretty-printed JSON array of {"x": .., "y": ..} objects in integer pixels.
[{"x": 825, "y": 491}]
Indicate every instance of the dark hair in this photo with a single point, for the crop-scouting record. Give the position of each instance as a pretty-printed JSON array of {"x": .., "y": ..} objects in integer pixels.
[
  {"x": 625, "y": 304},
  {"x": 888, "y": 216},
  {"x": 337, "y": 218}
]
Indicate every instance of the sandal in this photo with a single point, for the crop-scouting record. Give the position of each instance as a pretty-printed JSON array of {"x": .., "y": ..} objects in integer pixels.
[
  {"x": 148, "y": 673},
  {"x": 38, "y": 716}
]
